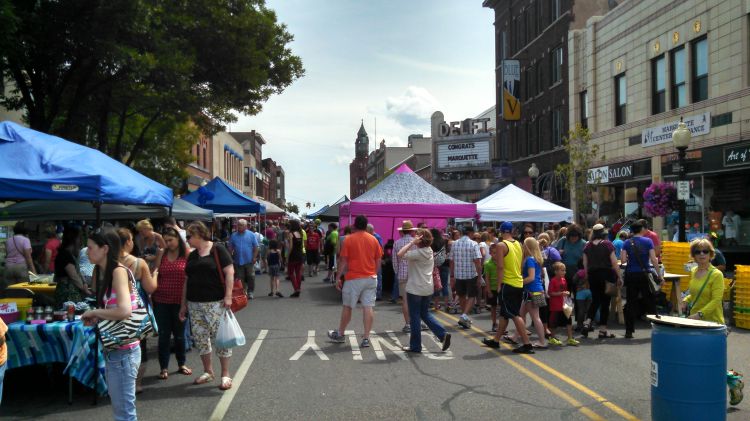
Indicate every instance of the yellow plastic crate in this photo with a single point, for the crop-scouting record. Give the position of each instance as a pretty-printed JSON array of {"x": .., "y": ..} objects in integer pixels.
[{"x": 742, "y": 320}]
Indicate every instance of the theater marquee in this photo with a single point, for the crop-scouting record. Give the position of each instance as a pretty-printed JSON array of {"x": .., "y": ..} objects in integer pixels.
[{"x": 464, "y": 155}]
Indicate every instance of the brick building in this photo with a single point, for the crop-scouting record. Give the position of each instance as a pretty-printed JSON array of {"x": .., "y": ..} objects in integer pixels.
[
  {"x": 201, "y": 169},
  {"x": 275, "y": 193}
]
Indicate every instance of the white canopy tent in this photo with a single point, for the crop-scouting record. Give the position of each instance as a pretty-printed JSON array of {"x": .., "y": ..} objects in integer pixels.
[{"x": 514, "y": 204}]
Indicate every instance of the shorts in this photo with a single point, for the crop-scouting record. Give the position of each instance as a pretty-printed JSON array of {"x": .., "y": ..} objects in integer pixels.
[
  {"x": 583, "y": 294},
  {"x": 493, "y": 299},
  {"x": 557, "y": 319},
  {"x": 402, "y": 288},
  {"x": 313, "y": 257},
  {"x": 511, "y": 299},
  {"x": 363, "y": 290},
  {"x": 274, "y": 270},
  {"x": 467, "y": 287},
  {"x": 535, "y": 298}
]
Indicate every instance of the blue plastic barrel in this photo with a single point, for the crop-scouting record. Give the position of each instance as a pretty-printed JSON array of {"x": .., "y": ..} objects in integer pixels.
[{"x": 688, "y": 372}]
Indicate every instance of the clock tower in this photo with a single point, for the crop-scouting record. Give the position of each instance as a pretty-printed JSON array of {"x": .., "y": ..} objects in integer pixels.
[{"x": 358, "y": 167}]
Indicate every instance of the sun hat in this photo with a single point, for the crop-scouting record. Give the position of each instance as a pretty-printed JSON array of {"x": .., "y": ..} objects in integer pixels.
[{"x": 406, "y": 226}]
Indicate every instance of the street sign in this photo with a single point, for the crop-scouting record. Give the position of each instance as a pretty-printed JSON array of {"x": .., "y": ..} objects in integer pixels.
[{"x": 683, "y": 190}]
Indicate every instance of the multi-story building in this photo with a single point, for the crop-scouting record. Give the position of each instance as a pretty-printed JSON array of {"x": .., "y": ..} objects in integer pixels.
[
  {"x": 416, "y": 154},
  {"x": 531, "y": 50},
  {"x": 254, "y": 181},
  {"x": 227, "y": 159},
  {"x": 635, "y": 72},
  {"x": 200, "y": 171},
  {"x": 358, "y": 166},
  {"x": 275, "y": 192}
]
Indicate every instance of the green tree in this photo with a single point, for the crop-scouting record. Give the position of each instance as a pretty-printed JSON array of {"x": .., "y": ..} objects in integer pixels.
[
  {"x": 581, "y": 154},
  {"x": 291, "y": 207},
  {"x": 129, "y": 76}
]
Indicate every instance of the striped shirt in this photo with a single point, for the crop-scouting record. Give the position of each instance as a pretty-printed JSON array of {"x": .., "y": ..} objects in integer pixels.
[
  {"x": 463, "y": 253},
  {"x": 401, "y": 266}
]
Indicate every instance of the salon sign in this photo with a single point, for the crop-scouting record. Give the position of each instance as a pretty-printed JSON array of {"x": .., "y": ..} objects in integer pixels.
[{"x": 697, "y": 124}]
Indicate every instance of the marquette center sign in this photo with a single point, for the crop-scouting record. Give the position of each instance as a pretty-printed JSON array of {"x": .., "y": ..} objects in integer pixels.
[
  {"x": 468, "y": 154},
  {"x": 511, "y": 106},
  {"x": 697, "y": 124}
]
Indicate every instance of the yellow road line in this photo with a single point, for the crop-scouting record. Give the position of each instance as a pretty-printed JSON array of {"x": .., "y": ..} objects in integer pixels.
[
  {"x": 549, "y": 386},
  {"x": 597, "y": 397}
]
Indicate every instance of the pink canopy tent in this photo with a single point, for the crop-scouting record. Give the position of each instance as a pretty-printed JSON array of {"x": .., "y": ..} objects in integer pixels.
[{"x": 404, "y": 195}]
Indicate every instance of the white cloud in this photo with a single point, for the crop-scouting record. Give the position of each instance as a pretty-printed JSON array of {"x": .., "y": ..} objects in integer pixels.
[
  {"x": 413, "y": 108},
  {"x": 342, "y": 159}
]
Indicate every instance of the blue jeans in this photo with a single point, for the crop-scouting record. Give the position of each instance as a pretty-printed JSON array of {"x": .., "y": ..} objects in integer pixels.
[
  {"x": 419, "y": 310},
  {"x": 379, "y": 291},
  {"x": 168, "y": 320},
  {"x": 2, "y": 376},
  {"x": 121, "y": 368}
]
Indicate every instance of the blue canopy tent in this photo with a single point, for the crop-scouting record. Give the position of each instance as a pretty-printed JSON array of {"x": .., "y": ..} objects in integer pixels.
[
  {"x": 36, "y": 165},
  {"x": 55, "y": 210},
  {"x": 318, "y": 212},
  {"x": 220, "y": 197}
]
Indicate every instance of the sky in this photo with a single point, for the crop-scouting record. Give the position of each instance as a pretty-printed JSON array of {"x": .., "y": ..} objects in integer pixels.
[{"x": 391, "y": 63}]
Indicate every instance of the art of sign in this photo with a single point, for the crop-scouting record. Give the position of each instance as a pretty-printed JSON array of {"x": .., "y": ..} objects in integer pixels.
[
  {"x": 606, "y": 174},
  {"x": 468, "y": 126},
  {"x": 470, "y": 153},
  {"x": 737, "y": 155},
  {"x": 698, "y": 125}
]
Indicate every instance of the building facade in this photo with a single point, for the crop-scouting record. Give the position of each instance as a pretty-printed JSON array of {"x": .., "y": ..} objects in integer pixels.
[
  {"x": 416, "y": 154},
  {"x": 275, "y": 192},
  {"x": 358, "y": 167},
  {"x": 228, "y": 160},
  {"x": 531, "y": 50},
  {"x": 640, "y": 68},
  {"x": 200, "y": 171}
]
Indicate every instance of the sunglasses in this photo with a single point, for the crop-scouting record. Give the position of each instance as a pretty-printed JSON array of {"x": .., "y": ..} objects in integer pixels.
[{"x": 702, "y": 251}]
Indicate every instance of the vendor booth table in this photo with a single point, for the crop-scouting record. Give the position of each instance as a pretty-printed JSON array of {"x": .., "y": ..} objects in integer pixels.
[
  {"x": 36, "y": 288},
  {"x": 60, "y": 342}
]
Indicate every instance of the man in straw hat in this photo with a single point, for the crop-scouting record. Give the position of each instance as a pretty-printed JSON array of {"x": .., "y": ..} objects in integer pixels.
[{"x": 401, "y": 268}]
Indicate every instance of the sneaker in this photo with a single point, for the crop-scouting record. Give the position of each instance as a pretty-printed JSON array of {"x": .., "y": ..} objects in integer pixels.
[
  {"x": 365, "y": 343},
  {"x": 280, "y": 295},
  {"x": 573, "y": 342},
  {"x": 406, "y": 328},
  {"x": 628, "y": 335},
  {"x": 270, "y": 294},
  {"x": 524, "y": 349},
  {"x": 295, "y": 294},
  {"x": 446, "y": 342},
  {"x": 465, "y": 323},
  {"x": 336, "y": 337},
  {"x": 554, "y": 341},
  {"x": 491, "y": 343},
  {"x": 424, "y": 326}
]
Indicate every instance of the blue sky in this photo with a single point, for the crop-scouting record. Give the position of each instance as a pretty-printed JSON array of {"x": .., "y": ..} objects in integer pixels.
[{"x": 394, "y": 61}]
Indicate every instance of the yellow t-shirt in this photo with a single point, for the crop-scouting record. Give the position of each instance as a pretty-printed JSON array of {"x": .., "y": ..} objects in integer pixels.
[
  {"x": 3, "y": 347},
  {"x": 512, "y": 264},
  {"x": 709, "y": 301}
]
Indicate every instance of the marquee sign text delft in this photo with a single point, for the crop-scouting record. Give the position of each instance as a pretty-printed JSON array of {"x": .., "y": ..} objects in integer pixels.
[
  {"x": 697, "y": 124},
  {"x": 464, "y": 153}
]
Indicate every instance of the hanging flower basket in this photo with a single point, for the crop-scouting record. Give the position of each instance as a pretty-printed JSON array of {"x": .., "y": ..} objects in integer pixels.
[{"x": 659, "y": 199}]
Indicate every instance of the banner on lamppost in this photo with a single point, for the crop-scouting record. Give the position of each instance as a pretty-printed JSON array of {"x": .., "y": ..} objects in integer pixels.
[{"x": 511, "y": 76}]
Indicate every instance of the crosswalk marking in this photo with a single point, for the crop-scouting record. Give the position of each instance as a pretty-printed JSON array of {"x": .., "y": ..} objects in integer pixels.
[{"x": 310, "y": 344}]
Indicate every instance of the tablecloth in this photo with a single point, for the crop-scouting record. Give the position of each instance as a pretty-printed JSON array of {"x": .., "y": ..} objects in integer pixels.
[{"x": 58, "y": 342}]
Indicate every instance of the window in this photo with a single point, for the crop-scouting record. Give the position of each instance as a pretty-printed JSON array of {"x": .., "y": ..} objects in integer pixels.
[
  {"x": 700, "y": 70},
  {"x": 658, "y": 85},
  {"x": 554, "y": 10},
  {"x": 539, "y": 79},
  {"x": 557, "y": 65},
  {"x": 621, "y": 99},
  {"x": 247, "y": 177},
  {"x": 557, "y": 127},
  {"x": 531, "y": 80},
  {"x": 198, "y": 154},
  {"x": 205, "y": 157},
  {"x": 584, "y": 99},
  {"x": 677, "y": 78}
]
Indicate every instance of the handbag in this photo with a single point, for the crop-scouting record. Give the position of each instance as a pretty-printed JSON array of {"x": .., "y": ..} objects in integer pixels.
[
  {"x": 436, "y": 281},
  {"x": 239, "y": 298},
  {"x": 653, "y": 286},
  {"x": 440, "y": 256},
  {"x": 690, "y": 304},
  {"x": 610, "y": 289},
  {"x": 117, "y": 333}
]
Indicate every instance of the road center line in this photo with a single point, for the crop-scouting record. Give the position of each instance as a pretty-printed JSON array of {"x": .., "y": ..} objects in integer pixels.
[
  {"x": 599, "y": 398},
  {"x": 530, "y": 374},
  {"x": 239, "y": 376}
]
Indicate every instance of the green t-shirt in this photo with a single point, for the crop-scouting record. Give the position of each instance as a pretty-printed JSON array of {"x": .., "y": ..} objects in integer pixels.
[
  {"x": 490, "y": 273},
  {"x": 333, "y": 237}
]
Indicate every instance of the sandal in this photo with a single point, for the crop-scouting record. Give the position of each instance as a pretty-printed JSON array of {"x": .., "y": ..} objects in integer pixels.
[
  {"x": 204, "y": 378},
  {"x": 164, "y": 375},
  {"x": 184, "y": 370},
  {"x": 226, "y": 383},
  {"x": 510, "y": 340},
  {"x": 606, "y": 335}
]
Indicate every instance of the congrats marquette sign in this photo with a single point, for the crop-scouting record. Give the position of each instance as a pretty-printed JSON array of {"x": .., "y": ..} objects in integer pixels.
[{"x": 511, "y": 90}]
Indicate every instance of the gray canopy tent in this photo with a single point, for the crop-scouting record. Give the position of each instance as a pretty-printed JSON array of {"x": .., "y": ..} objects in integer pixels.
[{"x": 55, "y": 210}]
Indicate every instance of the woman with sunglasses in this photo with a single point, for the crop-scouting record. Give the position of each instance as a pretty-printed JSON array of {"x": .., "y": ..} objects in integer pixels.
[{"x": 705, "y": 300}]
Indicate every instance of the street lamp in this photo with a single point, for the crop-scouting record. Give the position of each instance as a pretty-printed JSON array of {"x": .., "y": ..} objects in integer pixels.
[
  {"x": 681, "y": 140},
  {"x": 534, "y": 175}
]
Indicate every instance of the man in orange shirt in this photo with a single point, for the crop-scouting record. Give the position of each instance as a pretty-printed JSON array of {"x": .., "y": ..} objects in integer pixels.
[{"x": 358, "y": 262}]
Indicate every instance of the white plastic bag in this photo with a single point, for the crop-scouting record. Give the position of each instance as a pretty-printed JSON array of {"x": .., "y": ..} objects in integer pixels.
[
  {"x": 568, "y": 306},
  {"x": 230, "y": 334}
]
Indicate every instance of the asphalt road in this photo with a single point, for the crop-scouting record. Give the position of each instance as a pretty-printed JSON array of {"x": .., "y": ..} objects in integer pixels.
[{"x": 289, "y": 371}]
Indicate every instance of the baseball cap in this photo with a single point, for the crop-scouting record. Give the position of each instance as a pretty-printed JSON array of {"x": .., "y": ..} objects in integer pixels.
[{"x": 506, "y": 226}]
